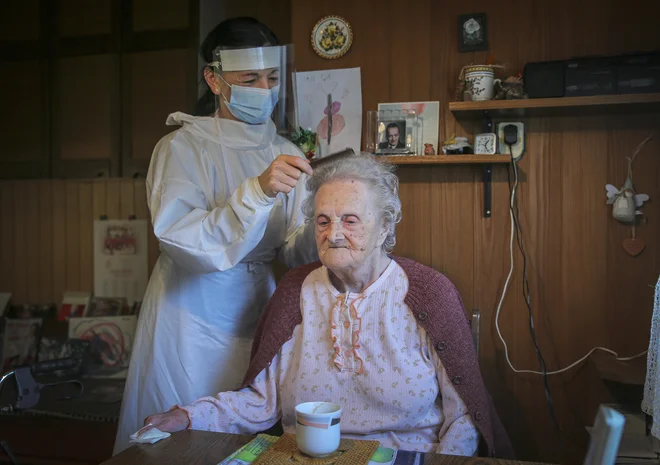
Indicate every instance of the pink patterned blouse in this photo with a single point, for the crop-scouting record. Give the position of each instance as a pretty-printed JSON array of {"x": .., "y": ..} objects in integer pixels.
[{"x": 364, "y": 352}]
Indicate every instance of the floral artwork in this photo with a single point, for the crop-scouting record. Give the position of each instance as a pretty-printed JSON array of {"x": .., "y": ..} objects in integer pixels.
[
  {"x": 332, "y": 123},
  {"x": 472, "y": 33},
  {"x": 332, "y": 37},
  {"x": 330, "y": 103},
  {"x": 472, "y": 30}
]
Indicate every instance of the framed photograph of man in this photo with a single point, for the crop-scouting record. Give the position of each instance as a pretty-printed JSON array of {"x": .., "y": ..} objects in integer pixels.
[
  {"x": 425, "y": 127},
  {"x": 392, "y": 137}
]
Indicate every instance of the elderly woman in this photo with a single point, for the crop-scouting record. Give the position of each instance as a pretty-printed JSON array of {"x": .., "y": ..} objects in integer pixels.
[{"x": 384, "y": 337}]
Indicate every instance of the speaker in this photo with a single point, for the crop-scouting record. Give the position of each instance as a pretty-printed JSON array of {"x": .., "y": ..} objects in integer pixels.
[{"x": 544, "y": 79}]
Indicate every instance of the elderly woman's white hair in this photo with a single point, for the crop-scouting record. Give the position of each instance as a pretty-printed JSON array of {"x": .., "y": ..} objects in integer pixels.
[{"x": 378, "y": 176}]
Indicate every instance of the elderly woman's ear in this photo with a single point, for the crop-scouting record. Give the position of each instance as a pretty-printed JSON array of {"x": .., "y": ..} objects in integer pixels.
[{"x": 384, "y": 231}]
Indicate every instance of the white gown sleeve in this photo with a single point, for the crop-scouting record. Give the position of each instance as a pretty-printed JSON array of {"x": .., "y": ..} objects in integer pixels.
[
  {"x": 200, "y": 238},
  {"x": 299, "y": 247},
  {"x": 251, "y": 410},
  {"x": 458, "y": 435}
]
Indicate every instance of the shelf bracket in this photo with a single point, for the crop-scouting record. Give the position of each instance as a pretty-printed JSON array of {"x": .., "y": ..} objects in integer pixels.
[
  {"x": 488, "y": 194},
  {"x": 487, "y": 122},
  {"x": 486, "y": 127}
]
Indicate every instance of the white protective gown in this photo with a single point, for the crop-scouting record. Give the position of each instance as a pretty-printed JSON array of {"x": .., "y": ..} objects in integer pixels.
[{"x": 219, "y": 234}]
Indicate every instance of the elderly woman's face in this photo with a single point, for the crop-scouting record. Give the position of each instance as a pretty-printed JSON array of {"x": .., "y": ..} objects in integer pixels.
[{"x": 348, "y": 228}]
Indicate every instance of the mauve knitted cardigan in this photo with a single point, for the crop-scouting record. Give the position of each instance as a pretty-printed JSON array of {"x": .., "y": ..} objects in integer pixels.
[{"x": 438, "y": 308}]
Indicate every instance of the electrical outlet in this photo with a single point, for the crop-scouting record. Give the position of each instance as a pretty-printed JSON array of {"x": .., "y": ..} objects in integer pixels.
[{"x": 519, "y": 147}]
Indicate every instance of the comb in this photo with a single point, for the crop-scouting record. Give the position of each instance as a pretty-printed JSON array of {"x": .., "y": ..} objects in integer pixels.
[{"x": 347, "y": 152}]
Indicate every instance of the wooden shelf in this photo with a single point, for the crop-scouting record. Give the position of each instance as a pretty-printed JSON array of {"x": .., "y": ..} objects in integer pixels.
[
  {"x": 446, "y": 159},
  {"x": 566, "y": 106}
]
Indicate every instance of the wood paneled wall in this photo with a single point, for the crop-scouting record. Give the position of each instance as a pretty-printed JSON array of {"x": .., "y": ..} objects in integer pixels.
[
  {"x": 128, "y": 63},
  {"x": 585, "y": 290},
  {"x": 46, "y": 233}
]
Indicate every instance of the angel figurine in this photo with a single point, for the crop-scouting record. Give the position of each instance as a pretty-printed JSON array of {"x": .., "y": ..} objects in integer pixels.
[
  {"x": 626, "y": 205},
  {"x": 626, "y": 202}
]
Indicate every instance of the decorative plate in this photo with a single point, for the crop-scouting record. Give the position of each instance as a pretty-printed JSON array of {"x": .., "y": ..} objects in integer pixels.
[{"x": 332, "y": 37}]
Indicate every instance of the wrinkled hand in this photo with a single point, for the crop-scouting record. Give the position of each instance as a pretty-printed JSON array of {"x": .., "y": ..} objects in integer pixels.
[
  {"x": 283, "y": 174},
  {"x": 168, "y": 422}
]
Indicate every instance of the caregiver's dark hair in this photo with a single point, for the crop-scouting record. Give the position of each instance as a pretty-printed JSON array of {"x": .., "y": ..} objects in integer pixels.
[{"x": 234, "y": 32}]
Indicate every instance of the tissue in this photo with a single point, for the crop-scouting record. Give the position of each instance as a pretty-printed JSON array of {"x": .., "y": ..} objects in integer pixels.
[{"x": 148, "y": 435}]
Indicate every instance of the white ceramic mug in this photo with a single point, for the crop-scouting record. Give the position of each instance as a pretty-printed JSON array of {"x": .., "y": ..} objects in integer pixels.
[
  {"x": 479, "y": 82},
  {"x": 317, "y": 428}
]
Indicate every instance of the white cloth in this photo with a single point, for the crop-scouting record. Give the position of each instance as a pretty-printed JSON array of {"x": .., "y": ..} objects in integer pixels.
[
  {"x": 219, "y": 234},
  {"x": 402, "y": 398},
  {"x": 150, "y": 436},
  {"x": 651, "y": 400}
]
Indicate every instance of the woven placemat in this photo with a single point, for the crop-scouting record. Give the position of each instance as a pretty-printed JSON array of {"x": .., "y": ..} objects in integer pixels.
[{"x": 285, "y": 452}]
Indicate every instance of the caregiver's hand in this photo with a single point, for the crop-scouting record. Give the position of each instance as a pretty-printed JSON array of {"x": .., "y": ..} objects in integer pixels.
[
  {"x": 169, "y": 422},
  {"x": 283, "y": 174}
]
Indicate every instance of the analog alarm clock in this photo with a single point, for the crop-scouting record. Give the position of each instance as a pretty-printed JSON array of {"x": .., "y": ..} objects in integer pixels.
[{"x": 485, "y": 144}]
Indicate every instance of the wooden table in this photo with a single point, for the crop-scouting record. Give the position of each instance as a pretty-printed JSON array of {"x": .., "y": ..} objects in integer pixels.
[
  {"x": 205, "y": 448},
  {"x": 43, "y": 440},
  {"x": 80, "y": 431}
]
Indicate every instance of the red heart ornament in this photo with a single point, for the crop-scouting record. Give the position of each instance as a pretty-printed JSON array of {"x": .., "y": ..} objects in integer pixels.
[{"x": 634, "y": 246}]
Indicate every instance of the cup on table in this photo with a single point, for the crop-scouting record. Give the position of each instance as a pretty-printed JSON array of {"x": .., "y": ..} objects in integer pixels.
[{"x": 317, "y": 428}]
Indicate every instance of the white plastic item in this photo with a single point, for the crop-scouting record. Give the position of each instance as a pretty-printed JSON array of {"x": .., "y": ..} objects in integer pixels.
[
  {"x": 605, "y": 437},
  {"x": 519, "y": 147}
]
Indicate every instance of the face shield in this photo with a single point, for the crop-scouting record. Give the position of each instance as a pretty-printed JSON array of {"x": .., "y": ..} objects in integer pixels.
[{"x": 255, "y": 85}]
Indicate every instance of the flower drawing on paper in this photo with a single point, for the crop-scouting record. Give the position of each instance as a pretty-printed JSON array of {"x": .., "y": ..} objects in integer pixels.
[
  {"x": 333, "y": 37},
  {"x": 338, "y": 121}
]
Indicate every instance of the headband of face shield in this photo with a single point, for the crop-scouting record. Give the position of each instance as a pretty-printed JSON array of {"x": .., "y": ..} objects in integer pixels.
[{"x": 254, "y": 102}]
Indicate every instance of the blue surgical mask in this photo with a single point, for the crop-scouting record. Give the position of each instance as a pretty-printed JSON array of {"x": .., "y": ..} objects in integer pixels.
[{"x": 252, "y": 105}]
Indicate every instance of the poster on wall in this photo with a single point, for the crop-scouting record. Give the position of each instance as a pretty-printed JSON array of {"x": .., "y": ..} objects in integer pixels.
[
  {"x": 330, "y": 104},
  {"x": 428, "y": 121},
  {"x": 120, "y": 259},
  {"x": 110, "y": 343}
]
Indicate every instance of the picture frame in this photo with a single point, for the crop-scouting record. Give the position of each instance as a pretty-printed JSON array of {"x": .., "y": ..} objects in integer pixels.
[
  {"x": 382, "y": 122},
  {"x": 427, "y": 123},
  {"x": 332, "y": 37},
  {"x": 391, "y": 137},
  {"x": 472, "y": 32}
]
